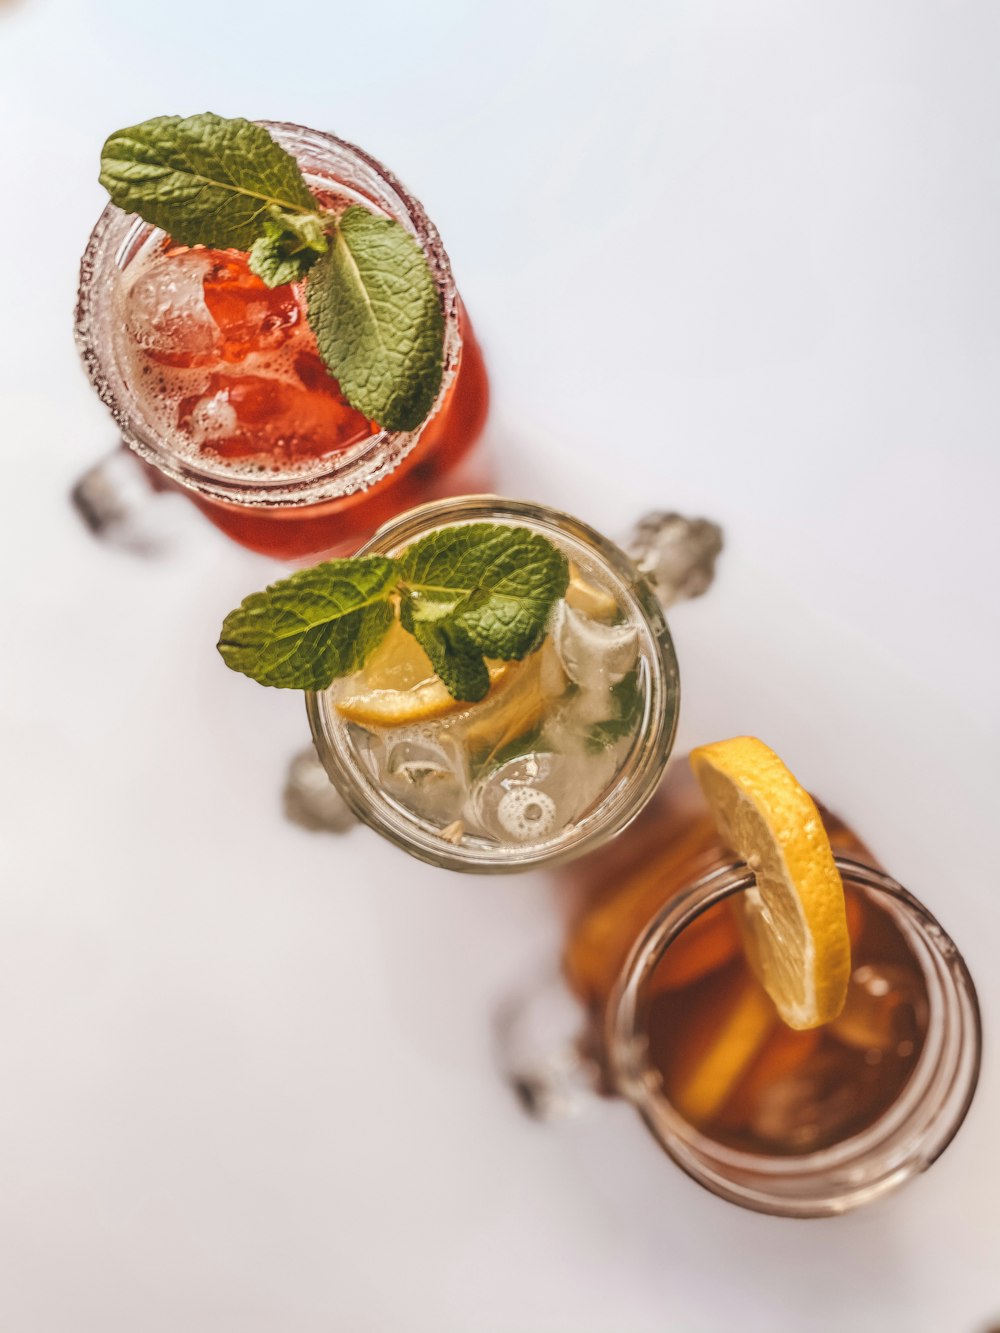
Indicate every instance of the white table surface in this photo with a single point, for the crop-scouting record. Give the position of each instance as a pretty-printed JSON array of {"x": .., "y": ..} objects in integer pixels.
[{"x": 736, "y": 258}]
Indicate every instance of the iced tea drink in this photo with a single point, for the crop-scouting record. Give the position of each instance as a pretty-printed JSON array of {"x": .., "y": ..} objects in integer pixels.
[
  {"x": 795, "y": 1122},
  {"x": 217, "y": 383}
]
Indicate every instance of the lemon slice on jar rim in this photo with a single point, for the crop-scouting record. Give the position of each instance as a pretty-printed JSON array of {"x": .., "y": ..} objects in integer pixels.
[{"x": 793, "y": 922}]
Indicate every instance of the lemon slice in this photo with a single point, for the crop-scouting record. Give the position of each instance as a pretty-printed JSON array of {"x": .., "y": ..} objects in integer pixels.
[
  {"x": 794, "y": 923},
  {"x": 398, "y": 687},
  {"x": 731, "y": 1034},
  {"x": 588, "y": 598},
  {"x": 517, "y": 701}
]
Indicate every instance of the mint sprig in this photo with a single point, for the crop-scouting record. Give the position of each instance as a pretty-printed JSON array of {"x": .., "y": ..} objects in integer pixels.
[
  {"x": 375, "y": 311},
  {"x": 627, "y": 698},
  {"x": 465, "y": 593},
  {"x": 302, "y": 632},
  {"x": 291, "y": 243},
  {"x": 371, "y": 299},
  {"x": 203, "y": 179}
]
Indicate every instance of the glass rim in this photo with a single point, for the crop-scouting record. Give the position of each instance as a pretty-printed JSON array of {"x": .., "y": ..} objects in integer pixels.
[
  {"x": 634, "y": 784},
  {"x": 796, "y": 1186},
  {"x": 117, "y": 236}
]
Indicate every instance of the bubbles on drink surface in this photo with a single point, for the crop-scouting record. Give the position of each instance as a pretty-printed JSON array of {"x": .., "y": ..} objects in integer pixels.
[
  {"x": 226, "y": 369},
  {"x": 542, "y": 748}
]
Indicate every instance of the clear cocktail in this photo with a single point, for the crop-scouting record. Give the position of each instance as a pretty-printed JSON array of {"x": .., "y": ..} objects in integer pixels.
[{"x": 491, "y": 683}]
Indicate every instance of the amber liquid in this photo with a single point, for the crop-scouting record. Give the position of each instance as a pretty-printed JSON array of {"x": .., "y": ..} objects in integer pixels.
[{"x": 723, "y": 1058}]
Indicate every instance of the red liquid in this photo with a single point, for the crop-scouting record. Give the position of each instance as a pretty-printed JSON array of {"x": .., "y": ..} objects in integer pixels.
[
  {"x": 430, "y": 472},
  {"x": 236, "y": 408}
]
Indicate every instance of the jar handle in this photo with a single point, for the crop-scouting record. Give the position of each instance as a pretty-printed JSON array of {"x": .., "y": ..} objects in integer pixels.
[
  {"x": 540, "y": 1046},
  {"x": 676, "y": 555},
  {"x": 120, "y": 503},
  {"x": 310, "y": 798}
]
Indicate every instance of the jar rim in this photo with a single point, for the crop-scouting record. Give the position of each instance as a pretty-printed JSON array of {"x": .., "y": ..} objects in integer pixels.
[
  {"x": 118, "y": 236},
  {"x": 827, "y": 1181},
  {"x": 634, "y": 784}
]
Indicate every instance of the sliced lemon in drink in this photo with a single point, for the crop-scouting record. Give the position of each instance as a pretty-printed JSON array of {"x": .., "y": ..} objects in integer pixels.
[
  {"x": 398, "y": 687},
  {"x": 724, "y": 1041},
  {"x": 516, "y": 703},
  {"x": 794, "y": 922},
  {"x": 588, "y": 598}
]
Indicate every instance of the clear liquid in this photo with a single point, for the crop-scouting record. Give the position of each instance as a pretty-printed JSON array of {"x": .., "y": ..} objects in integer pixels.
[{"x": 545, "y": 745}]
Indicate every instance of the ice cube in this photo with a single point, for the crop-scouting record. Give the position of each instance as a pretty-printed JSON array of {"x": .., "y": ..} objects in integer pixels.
[
  {"x": 811, "y": 1106},
  {"x": 594, "y": 656},
  {"x": 528, "y": 798},
  {"x": 426, "y": 774},
  {"x": 165, "y": 311},
  {"x": 526, "y": 813},
  {"x": 214, "y": 417},
  {"x": 885, "y": 1010},
  {"x": 250, "y": 316}
]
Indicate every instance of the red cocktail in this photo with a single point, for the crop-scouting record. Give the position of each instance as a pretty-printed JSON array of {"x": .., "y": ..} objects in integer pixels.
[{"x": 217, "y": 383}]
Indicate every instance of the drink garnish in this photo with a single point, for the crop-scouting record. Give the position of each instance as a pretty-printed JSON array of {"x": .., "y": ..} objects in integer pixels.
[
  {"x": 370, "y": 295},
  {"x": 465, "y": 594},
  {"x": 398, "y": 686},
  {"x": 794, "y": 922}
]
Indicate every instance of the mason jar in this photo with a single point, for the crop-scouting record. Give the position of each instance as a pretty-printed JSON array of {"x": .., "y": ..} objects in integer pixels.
[
  {"x": 325, "y": 503},
  {"x": 621, "y": 795},
  {"x": 648, "y": 1009}
]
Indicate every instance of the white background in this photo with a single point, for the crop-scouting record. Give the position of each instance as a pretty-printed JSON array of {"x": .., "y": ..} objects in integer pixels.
[{"x": 741, "y": 259}]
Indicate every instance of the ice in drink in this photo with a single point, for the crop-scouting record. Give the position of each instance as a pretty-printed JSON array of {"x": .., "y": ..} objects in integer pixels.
[
  {"x": 567, "y": 743},
  {"x": 716, "y": 1048},
  {"x": 217, "y": 383},
  {"x": 531, "y": 758}
]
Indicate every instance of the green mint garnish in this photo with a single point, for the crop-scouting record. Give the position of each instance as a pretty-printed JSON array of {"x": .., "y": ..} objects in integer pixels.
[
  {"x": 370, "y": 296},
  {"x": 205, "y": 180},
  {"x": 320, "y": 623},
  {"x": 290, "y": 245},
  {"x": 461, "y": 667},
  {"x": 498, "y": 588},
  {"x": 465, "y": 593},
  {"x": 628, "y": 703},
  {"x": 377, "y": 318}
]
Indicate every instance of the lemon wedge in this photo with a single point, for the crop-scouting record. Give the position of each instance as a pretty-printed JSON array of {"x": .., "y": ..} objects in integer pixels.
[
  {"x": 731, "y": 1033},
  {"x": 588, "y": 598},
  {"x": 517, "y": 701},
  {"x": 794, "y": 923},
  {"x": 398, "y": 687}
]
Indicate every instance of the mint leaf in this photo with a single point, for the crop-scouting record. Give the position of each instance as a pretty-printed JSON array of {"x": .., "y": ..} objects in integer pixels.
[
  {"x": 377, "y": 317},
  {"x": 303, "y": 631},
  {"x": 627, "y": 699},
  {"x": 465, "y": 593},
  {"x": 290, "y": 245},
  {"x": 204, "y": 180},
  {"x": 490, "y": 759},
  {"x": 455, "y": 659},
  {"x": 372, "y": 302},
  {"x": 498, "y": 583}
]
